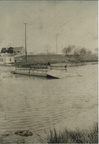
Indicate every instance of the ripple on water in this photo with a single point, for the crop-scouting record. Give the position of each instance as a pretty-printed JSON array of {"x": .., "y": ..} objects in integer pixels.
[{"x": 38, "y": 104}]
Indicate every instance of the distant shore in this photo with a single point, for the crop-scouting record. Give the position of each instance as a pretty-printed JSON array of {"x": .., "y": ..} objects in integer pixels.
[{"x": 70, "y": 60}]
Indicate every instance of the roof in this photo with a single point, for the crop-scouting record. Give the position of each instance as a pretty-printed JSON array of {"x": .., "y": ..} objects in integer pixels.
[{"x": 17, "y": 48}]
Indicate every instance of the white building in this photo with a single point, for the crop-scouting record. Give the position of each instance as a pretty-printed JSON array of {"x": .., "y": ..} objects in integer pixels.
[
  {"x": 1, "y": 60},
  {"x": 7, "y": 59}
]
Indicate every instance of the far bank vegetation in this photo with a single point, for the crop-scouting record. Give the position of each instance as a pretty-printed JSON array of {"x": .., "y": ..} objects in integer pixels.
[{"x": 70, "y": 54}]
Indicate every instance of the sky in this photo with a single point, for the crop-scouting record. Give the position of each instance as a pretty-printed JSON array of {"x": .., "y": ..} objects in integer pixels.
[{"x": 51, "y": 25}]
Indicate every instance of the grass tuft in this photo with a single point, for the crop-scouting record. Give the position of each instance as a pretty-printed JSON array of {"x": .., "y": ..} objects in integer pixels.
[{"x": 76, "y": 136}]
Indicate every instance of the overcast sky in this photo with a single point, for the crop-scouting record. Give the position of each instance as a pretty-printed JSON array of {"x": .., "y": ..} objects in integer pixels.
[{"x": 74, "y": 23}]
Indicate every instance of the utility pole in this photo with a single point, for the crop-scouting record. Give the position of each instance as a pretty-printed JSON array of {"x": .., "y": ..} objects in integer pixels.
[
  {"x": 25, "y": 43},
  {"x": 56, "y": 43}
]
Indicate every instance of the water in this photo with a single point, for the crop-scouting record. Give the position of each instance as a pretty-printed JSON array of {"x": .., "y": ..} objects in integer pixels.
[{"x": 39, "y": 104}]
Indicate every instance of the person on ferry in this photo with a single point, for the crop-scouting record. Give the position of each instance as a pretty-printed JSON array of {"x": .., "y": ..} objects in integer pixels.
[{"x": 48, "y": 64}]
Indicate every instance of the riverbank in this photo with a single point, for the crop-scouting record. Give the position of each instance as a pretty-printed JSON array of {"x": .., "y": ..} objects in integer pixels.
[
  {"x": 67, "y": 136},
  {"x": 69, "y": 64},
  {"x": 77, "y": 136},
  {"x": 54, "y": 59},
  {"x": 69, "y": 60}
]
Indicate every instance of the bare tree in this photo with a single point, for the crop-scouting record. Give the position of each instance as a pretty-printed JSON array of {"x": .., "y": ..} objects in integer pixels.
[
  {"x": 67, "y": 50},
  {"x": 89, "y": 52},
  {"x": 83, "y": 51},
  {"x": 77, "y": 52},
  {"x": 96, "y": 49},
  {"x": 96, "y": 52}
]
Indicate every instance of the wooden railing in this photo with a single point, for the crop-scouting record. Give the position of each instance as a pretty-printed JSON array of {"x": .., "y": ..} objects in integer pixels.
[{"x": 43, "y": 69}]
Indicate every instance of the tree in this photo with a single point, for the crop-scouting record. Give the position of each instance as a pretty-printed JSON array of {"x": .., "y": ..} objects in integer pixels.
[
  {"x": 89, "y": 52},
  {"x": 77, "y": 52},
  {"x": 10, "y": 50},
  {"x": 3, "y": 50},
  {"x": 96, "y": 52},
  {"x": 67, "y": 50},
  {"x": 83, "y": 51},
  {"x": 96, "y": 49}
]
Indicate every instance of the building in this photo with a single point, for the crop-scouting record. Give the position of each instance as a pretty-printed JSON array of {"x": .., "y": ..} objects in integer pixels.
[
  {"x": 18, "y": 50},
  {"x": 1, "y": 59},
  {"x": 8, "y": 59}
]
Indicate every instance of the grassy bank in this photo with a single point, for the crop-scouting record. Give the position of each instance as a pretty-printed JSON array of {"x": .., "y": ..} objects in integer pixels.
[
  {"x": 77, "y": 136},
  {"x": 44, "y": 59}
]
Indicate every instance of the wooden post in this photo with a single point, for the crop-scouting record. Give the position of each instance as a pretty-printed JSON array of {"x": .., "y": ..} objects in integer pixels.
[{"x": 25, "y": 43}]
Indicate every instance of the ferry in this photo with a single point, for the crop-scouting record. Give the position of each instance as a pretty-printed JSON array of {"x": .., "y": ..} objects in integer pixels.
[{"x": 48, "y": 72}]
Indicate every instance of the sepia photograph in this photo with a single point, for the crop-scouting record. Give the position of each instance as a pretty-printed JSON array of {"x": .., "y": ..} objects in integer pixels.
[{"x": 48, "y": 71}]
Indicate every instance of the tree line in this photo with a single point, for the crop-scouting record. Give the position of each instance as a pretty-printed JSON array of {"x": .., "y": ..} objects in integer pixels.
[
  {"x": 71, "y": 49},
  {"x": 7, "y": 50}
]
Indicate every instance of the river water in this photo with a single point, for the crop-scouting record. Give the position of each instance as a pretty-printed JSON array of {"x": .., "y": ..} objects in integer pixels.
[{"x": 39, "y": 104}]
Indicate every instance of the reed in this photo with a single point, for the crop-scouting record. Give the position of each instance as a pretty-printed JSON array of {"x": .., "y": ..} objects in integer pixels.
[
  {"x": 67, "y": 136},
  {"x": 77, "y": 136}
]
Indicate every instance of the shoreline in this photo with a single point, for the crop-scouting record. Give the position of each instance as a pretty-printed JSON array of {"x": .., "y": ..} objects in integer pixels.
[{"x": 54, "y": 136}]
